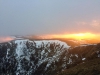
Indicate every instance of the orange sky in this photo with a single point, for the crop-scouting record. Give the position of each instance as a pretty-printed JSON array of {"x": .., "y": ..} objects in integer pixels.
[
  {"x": 77, "y": 36},
  {"x": 5, "y": 38}
]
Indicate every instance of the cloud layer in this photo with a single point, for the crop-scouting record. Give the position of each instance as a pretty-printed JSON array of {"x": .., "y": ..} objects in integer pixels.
[
  {"x": 6, "y": 39},
  {"x": 38, "y": 17}
]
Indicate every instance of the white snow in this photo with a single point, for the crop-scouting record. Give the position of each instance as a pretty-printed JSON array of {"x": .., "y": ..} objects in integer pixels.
[
  {"x": 83, "y": 58},
  {"x": 39, "y": 43},
  {"x": 70, "y": 61},
  {"x": 23, "y": 52},
  {"x": 76, "y": 55}
]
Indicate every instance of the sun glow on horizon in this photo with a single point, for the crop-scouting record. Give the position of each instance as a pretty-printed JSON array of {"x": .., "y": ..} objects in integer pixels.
[
  {"x": 80, "y": 36},
  {"x": 77, "y": 36}
]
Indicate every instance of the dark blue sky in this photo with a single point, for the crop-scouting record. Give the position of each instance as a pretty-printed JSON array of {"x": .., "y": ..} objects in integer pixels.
[{"x": 25, "y": 17}]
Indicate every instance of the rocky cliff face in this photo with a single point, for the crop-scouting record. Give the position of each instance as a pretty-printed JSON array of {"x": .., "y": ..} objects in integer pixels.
[
  {"x": 25, "y": 57},
  {"x": 42, "y": 57}
]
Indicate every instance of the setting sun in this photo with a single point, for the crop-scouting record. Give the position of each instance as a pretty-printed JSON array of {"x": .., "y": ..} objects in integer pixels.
[{"x": 80, "y": 36}]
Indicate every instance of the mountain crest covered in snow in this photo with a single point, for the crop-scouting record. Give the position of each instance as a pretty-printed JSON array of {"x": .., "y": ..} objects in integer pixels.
[{"x": 42, "y": 57}]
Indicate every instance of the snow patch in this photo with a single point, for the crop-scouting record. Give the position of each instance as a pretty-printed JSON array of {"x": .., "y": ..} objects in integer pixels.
[{"x": 83, "y": 59}]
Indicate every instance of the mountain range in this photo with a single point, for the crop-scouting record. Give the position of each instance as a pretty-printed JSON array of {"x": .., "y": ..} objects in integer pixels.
[{"x": 49, "y": 57}]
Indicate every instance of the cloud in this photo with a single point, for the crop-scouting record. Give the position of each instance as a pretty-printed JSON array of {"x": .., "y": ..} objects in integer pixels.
[
  {"x": 81, "y": 23},
  {"x": 95, "y": 23},
  {"x": 5, "y": 39}
]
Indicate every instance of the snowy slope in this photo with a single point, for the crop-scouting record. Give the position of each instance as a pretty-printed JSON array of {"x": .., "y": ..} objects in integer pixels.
[{"x": 33, "y": 54}]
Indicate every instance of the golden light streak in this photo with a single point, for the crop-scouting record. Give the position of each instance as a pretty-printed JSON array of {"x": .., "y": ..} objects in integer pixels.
[
  {"x": 80, "y": 36},
  {"x": 77, "y": 36}
]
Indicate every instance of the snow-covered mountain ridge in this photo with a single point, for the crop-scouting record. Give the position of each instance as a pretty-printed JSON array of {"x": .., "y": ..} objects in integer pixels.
[
  {"x": 31, "y": 53},
  {"x": 42, "y": 57}
]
